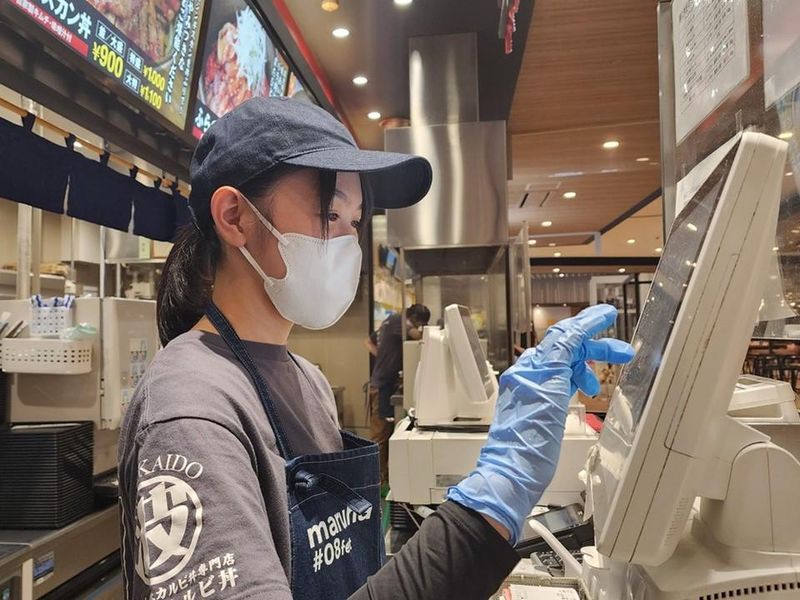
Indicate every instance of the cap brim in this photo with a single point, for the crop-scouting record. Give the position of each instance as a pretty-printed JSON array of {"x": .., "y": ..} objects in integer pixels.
[{"x": 395, "y": 180}]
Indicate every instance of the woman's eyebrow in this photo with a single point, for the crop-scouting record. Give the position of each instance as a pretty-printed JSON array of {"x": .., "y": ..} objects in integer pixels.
[{"x": 340, "y": 193}]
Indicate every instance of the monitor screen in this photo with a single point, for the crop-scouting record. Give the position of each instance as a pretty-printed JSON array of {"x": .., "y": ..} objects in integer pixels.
[
  {"x": 477, "y": 351},
  {"x": 661, "y": 309},
  {"x": 148, "y": 47},
  {"x": 239, "y": 62}
]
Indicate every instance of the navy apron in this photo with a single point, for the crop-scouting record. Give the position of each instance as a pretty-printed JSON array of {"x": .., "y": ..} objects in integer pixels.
[{"x": 334, "y": 500}]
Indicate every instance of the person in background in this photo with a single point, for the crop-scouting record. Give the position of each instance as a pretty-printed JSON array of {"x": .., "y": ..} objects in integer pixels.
[{"x": 387, "y": 346}]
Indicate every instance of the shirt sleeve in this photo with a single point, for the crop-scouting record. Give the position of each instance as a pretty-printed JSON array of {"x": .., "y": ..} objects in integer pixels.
[
  {"x": 455, "y": 554},
  {"x": 198, "y": 517}
]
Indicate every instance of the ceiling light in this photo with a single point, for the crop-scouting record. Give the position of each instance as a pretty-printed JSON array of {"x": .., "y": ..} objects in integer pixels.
[
  {"x": 330, "y": 5},
  {"x": 360, "y": 80},
  {"x": 557, "y": 254},
  {"x": 785, "y": 135},
  {"x": 631, "y": 241},
  {"x": 546, "y": 223},
  {"x": 374, "y": 115},
  {"x": 532, "y": 242},
  {"x": 775, "y": 248},
  {"x": 569, "y": 195},
  {"x": 788, "y": 173},
  {"x": 691, "y": 227},
  {"x": 642, "y": 159},
  {"x": 552, "y": 244},
  {"x": 403, "y": 2},
  {"x": 621, "y": 269},
  {"x": 659, "y": 250},
  {"x": 611, "y": 144},
  {"x": 561, "y": 275},
  {"x": 795, "y": 230},
  {"x": 340, "y": 32},
  {"x": 556, "y": 270}
]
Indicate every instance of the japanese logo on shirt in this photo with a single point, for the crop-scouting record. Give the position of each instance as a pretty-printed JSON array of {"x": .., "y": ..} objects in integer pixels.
[{"x": 169, "y": 519}]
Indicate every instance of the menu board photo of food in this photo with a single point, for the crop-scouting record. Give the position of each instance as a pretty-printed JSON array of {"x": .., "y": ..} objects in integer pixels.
[
  {"x": 240, "y": 62},
  {"x": 148, "y": 46}
]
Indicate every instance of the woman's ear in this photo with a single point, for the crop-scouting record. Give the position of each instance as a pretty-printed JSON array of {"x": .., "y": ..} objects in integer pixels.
[{"x": 227, "y": 213}]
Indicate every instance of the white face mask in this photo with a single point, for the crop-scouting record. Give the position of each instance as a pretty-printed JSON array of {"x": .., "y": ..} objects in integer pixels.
[{"x": 321, "y": 276}]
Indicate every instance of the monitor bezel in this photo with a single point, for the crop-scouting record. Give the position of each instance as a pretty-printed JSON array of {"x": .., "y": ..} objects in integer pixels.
[{"x": 656, "y": 482}]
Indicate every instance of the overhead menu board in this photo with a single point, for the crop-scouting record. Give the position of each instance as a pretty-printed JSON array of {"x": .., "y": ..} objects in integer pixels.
[
  {"x": 240, "y": 62},
  {"x": 148, "y": 46}
]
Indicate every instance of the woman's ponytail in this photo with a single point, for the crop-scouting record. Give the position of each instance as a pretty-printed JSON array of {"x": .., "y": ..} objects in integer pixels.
[{"x": 186, "y": 281}]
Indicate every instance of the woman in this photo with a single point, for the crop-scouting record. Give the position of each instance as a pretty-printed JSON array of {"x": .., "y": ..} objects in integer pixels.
[{"x": 235, "y": 479}]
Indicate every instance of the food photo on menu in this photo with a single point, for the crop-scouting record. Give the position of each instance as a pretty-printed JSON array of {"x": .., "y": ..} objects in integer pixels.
[
  {"x": 237, "y": 59},
  {"x": 150, "y": 24}
]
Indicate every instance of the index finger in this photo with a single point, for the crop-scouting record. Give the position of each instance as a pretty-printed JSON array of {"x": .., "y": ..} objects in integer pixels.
[{"x": 596, "y": 318}]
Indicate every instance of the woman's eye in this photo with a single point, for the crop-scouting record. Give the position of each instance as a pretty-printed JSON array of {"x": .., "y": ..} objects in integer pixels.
[{"x": 333, "y": 217}]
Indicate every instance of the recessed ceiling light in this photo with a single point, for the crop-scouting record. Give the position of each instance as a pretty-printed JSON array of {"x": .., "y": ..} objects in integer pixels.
[
  {"x": 691, "y": 227},
  {"x": 330, "y": 5},
  {"x": 611, "y": 144},
  {"x": 557, "y": 254},
  {"x": 556, "y": 270},
  {"x": 785, "y": 135},
  {"x": 659, "y": 250},
  {"x": 532, "y": 242},
  {"x": 569, "y": 195},
  {"x": 360, "y": 80},
  {"x": 788, "y": 173},
  {"x": 546, "y": 223},
  {"x": 775, "y": 248},
  {"x": 374, "y": 115},
  {"x": 631, "y": 241},
  {"x": 561, "y": 275},
  {"x": 552, "y": 244},
  {"x": 642, "y": 159},
  {"x": 403, "y": 2},
  {"x": 340, "y": 32},
  {"x": 621, "y": 269}
]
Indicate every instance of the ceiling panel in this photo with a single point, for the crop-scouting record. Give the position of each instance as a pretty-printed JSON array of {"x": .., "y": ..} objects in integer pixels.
[
  {"x": 378, "y": 48},
  {"x": 589, "y": 75},
  {"x": 586, "y": 64}
]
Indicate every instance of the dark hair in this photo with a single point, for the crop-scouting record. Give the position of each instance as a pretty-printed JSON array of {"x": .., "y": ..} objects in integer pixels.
[
  {"x": 188, "y": 275},
  {"x": 418, "y": 312}
]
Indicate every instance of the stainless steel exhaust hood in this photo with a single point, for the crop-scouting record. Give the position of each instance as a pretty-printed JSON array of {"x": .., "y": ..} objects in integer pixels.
[{"x": 467, "y": 202}]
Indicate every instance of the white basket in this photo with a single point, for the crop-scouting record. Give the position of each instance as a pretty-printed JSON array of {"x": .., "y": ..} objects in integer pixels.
[
  {"x": 49, "y": 321},
  {"x": 57, "y": 357}
]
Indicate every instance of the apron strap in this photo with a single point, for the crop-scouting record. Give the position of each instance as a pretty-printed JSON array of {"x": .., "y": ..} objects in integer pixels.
[
  {"x": 355, "y": 501},
  {"x": 238, "y": 348}
]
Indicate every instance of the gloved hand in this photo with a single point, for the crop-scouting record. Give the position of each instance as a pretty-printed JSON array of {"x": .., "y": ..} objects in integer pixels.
[{"x": 520, "y": 457}]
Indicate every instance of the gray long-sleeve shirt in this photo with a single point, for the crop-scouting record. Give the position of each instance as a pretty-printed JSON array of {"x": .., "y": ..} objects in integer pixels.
[{"x": 203, "y": 490}]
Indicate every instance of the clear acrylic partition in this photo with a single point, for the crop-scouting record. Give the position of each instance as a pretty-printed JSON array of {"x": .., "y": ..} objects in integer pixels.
[{"x": 727, "y": 66}]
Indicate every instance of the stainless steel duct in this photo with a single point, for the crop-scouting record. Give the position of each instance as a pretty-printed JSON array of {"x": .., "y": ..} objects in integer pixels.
[{"x": 466, "y": 206}]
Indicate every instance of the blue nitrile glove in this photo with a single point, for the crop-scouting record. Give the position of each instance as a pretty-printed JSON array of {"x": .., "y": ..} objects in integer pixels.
[{"x": 519, "y": 459}]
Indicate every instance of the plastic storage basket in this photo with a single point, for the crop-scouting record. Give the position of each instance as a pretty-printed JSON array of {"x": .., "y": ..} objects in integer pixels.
[
  {"x": 49, "y": 321},
  {"x": 56, "y": 357}
]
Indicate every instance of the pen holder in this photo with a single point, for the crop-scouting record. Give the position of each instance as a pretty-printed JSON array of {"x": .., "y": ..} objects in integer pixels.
[{"x": 48, "y": 321}]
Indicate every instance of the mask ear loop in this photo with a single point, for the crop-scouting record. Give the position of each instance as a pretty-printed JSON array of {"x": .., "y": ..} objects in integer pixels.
[
  {"x": 263, "y": 220},
  {"x": 246, "y": 253}
]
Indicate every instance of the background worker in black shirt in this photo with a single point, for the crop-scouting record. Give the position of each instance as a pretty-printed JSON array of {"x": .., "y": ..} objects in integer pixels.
[{"x": 387, "y": 346}]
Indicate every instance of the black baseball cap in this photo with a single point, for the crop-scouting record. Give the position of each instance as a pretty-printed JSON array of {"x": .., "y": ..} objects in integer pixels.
[{"x": 266, "y": 132}]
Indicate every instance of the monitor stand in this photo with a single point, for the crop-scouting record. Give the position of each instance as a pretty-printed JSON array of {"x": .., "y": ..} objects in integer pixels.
[{"x": 746, "y": 543}]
